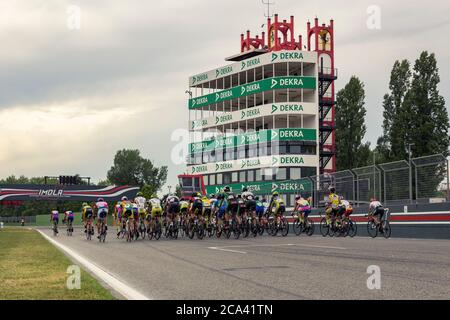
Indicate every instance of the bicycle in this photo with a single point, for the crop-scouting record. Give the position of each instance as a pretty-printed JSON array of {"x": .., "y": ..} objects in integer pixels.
[
  {"x": 155, "y": 229},
  {"x": 130, "y": 233},
  {"x": 383, "y": 227},
  {"x": 142, "y": 229},
  {"x": 89, "y": 231},
  {"x": 301, "y": 226},
  {"x": 103, "y": 229},
  {"x": 194, "y": 227},
  {"x": 55, "y": 228},
  {"x": 69, "y": 228},
  {"x": 350, "y": 226},
  {"x": 282, "y": 226},
  {"x": 328, "y": 227}
]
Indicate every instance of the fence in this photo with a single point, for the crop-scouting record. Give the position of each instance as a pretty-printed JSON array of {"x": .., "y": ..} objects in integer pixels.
[{"x": 419, "y": 180}]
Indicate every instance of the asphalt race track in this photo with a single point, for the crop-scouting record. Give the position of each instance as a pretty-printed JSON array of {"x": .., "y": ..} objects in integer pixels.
[{"x": 272, "y": 267}]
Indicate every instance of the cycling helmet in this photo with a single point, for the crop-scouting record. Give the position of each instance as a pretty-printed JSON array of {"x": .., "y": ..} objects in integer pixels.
[
  {"x": 85, "y": 204},
  {"x": 124, "y": 198},
  {"x": 100, "y": 200},
  {"x": 139, "y": 194},
  {"x": 332, "y": 189},
  {"x": 298, "y": 197},
  {"x": 244, "y": 189},
  {"x": 226, "y": 189},
  {"x": 275, "y": 194},
  {"x": 212, "y": 195}
]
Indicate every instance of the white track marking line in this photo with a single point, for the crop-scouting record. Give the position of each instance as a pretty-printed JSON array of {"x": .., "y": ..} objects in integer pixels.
[
  {"x": 235, "y": 251},
  {"x": 272, "y": 245},
  {"x": 125, "y": 290}
]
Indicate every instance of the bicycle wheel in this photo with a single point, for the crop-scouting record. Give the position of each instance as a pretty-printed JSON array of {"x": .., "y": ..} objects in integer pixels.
[
  {"x": 261, "y": 229},
  {"x": 386, "y": 227},
  {"x": 149, "y": 233},
  {"x": 372, "y": 229},
  {"x": 227, "y": 231},
  {"x": 284, "y": 228},
  {"x": 236, "y": 229},
  {"x": 191, "y": 231},
  {"x": 297, "y": 226},
  {"x": 158, "y": 230},
  {"x": 324, "y": 227},
  {"x": 310, "y": 228},
  {"x": 352, "y": 228}
]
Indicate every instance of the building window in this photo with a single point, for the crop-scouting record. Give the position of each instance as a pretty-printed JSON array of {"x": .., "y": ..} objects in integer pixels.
[
  {"x": 295, "y": 173},
  {"x": 212, "y": 179},
  {"x": 308, "y": 172},
  {"x": 258, "y": 176},
  {"x": 295, "y": 148},
  {"x": 281, "y": 174},
  {"x": 241, "y": 152},
  {"x": 250, "y": 175},
  {"x": 219, "y": 179},
  {"x": 242, "y": 177},
  {"x": 206, "y": 180},
  {"x": 227, "y": 178},
  {"x": 234, "y": 177}
]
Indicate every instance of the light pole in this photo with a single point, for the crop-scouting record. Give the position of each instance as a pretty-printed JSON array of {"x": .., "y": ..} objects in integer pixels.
[
  {"x": 410, "y": 172},
  {"x": 374, "y": 175}
]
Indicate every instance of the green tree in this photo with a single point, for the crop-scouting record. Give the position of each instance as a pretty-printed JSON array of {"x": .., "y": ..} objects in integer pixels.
[
  {"x": 396, "y": 114},
  {"x": 414, "y": 112},
  {"x": 350, "y": 127},
  {"x": 430, "y": 123},
  {"x": 131, "y": 169}
]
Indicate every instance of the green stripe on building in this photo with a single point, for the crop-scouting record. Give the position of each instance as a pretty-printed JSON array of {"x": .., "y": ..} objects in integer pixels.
[
  {"x": 252, "y": 138},
  {"x": 253, "y": 88},
  {"x": 266, "y": 188}
]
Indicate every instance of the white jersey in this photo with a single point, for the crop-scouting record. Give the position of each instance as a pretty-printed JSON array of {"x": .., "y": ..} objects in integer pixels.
[
  {"x": 140, "y": 201},
  {"x": 374, "y": 205},
  {"x": 247, "y": 195},
  {"x": 345, "y": 204},
  {"x": 155, "y": 203}
]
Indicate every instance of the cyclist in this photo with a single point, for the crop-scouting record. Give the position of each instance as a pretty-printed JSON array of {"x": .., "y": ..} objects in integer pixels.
[
  {"x": 87, "y": 216},
  {"x": 172, "y": 208},
  {"x": 232, "y": 208},
  {"x": 68, "y": 218},
  {"x": 242, "y": 210},
  {"x": 303, "y": 206},
  {"x": 214, "y": 203},
  {"x": 376, "y": 209},
  {"x": 184, "y": 208},
  {"x": 196, "y": 206},
  {"x": 54, "y": 217},
  {"x": 127, "y": 212},
  {"x": 155, "y": 208},
  {"x": 332, "y": 204},
  {"x": 117, "y": 208},
  {"x": 140, "y": 201},
  {"x": 119, "y": 216},
  {"x": 259, "y": 207},
  {"x": 206, "y": 209},
  {"x": 346, "y": 208},
  {"x": 250, "y": 203},
  {"x": 277, "y": 207},
  {"x": 101, "y": 206}
]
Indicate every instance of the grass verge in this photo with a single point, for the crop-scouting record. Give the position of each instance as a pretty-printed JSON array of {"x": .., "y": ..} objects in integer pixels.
[{"x": 33, "y": 269}]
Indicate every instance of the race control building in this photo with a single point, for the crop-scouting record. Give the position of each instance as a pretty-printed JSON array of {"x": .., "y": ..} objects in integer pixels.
[{"x": 266, "y": 120}]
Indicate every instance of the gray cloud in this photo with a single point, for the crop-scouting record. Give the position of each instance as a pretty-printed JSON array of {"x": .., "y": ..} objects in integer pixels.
[{"x": 133, "y": 59}]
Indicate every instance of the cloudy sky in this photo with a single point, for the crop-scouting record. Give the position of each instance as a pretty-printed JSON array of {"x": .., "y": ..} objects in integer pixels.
[{"x": 70, "y": 98}]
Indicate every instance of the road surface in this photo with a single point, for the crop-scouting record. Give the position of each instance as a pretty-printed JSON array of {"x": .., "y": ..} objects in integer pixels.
[{"x": 273, "y": 267}]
